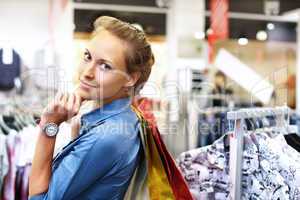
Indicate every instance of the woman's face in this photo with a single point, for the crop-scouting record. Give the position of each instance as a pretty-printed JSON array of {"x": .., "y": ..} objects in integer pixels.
[{"x": 102, "y": 71}]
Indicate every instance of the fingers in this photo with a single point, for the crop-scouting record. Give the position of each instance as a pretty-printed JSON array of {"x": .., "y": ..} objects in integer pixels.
[
  {"x": 77, "y": 103},
  {"x": 70, "y": 102},
  {"x": 61, "y": 103},
  {"x": 65, "y": 104},
  {"x": 73, "y": 104},
  {"x": 64, "y": 100},
  {"x": 58, "y": 97},
  {"x": 54, "y": 104},
  {"x": 63, "y": 107}
]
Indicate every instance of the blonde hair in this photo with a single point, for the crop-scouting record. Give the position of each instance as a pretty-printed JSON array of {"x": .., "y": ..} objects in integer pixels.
[{"x": 139, "y": 58}]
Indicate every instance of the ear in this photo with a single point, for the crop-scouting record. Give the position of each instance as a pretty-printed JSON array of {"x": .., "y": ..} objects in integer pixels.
[{"x": 133, "y": 78}]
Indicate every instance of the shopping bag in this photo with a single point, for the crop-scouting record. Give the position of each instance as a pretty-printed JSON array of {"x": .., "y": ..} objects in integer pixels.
[
  {"x": 175, "y": 178},
  {"x": 150, "y": 180}
]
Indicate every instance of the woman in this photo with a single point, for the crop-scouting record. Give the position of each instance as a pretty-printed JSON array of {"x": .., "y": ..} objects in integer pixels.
[{"x": 100, "y": 162}]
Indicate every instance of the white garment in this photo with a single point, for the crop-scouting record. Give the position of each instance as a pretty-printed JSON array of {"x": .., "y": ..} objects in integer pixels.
[
  {"x": 271, "y": 169},
  {"x": 63, "y": 137},
  {"x": 3, "y": 159}
]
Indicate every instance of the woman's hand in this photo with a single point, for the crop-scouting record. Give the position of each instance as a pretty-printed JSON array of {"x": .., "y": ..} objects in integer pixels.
[
  {"x": 62, "y": 108},
  {"x": 75, "y": 126}
]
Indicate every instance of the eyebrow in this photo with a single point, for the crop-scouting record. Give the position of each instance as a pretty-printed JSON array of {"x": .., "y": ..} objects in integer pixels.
[{"x": 101, "y": 59}]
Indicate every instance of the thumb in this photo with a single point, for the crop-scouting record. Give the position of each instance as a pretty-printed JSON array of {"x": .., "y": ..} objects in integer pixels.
[{"x": 77, "y": 95}]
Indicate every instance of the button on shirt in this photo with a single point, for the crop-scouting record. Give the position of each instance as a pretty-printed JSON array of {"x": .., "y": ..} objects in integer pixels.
[{"x": 100, "y": 162}]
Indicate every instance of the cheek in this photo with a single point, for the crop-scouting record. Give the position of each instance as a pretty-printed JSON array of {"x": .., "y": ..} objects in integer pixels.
[
  {"x": 110, "y": 79},
  {"x": 80, "y": 68},
  {"x": 110, "y": 83}
]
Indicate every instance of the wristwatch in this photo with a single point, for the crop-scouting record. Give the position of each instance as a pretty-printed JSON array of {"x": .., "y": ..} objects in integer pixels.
[{"x": 50, "y": 129}]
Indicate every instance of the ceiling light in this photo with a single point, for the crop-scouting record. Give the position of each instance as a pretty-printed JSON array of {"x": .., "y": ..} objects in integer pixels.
[
  {"x": 199, "y": 35},
  {"x": 270, "y": 26},
  {"x": 261, "y": 35},
  {"x": 243, "y": 41}
]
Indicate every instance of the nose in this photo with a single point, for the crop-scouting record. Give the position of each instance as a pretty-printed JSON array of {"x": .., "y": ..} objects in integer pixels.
[{"x": 89, "y": 71}]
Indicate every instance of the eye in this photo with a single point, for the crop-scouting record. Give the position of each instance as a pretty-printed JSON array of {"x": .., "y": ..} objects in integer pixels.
[
  {"x": 105, "y": 67},
  {"x": 87, "y": 57}
]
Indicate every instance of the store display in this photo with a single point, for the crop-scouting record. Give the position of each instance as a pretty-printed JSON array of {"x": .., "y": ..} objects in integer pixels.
[
  {"x": 18, "y": 135},
  {"x": 267, "y": 172},
  {"x": 240, "y": 57},
  {"x": 3, "y": 160}
]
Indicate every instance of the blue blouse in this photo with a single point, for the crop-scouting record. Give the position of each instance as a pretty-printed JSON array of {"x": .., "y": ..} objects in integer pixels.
[{"x": 100, "y": 162}]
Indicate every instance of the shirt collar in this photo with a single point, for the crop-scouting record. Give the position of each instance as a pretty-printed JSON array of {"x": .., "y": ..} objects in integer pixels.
[{"x": 107, "y": 110}]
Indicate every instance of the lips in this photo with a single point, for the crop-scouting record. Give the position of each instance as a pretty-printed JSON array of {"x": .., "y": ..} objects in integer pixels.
[{"x": 87, "y": 85}]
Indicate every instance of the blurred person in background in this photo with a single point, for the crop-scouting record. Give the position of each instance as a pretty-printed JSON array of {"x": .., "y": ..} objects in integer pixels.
[
  {"x": 291, "y": 86},
  {"x": 220, "y": 90}
]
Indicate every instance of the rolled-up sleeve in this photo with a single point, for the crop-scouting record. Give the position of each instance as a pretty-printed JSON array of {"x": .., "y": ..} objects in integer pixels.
[{"x": 88, "y": 161}]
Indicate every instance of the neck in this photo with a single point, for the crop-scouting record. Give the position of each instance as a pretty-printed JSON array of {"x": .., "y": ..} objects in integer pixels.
[{"x": 100, "y": 103}]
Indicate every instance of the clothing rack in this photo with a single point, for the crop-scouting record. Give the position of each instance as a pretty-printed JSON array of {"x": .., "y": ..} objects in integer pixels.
[{"x": 236, "y": 141}]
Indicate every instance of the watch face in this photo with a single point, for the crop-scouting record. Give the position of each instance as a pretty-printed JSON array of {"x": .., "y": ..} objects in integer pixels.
[{"x": 51, "y": 129}]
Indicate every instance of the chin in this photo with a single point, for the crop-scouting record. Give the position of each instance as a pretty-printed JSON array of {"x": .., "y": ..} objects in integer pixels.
[{"x": 84, "y": 95}]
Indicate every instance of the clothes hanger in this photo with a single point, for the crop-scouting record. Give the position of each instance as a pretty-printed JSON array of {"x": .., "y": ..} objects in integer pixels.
[
  {"x": 23, "y": 117},
  {"x": 12, "y": 115},
  {"x": 4, "y": 126},
  {"x": 282, "y": 125},
  {"x": 18, "y": 116},
  {"x": 29, "y": 119},
  {"x": 2, "y": 132},
  {"x": 17, "y": 122},
  {"x": 10, "y": 121},
  {"x": 20, "y": 120},
  {"x": 250, "y": 123}
]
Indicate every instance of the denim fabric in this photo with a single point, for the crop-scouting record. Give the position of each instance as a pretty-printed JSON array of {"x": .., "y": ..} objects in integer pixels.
[{"x": 99, "y": 163}]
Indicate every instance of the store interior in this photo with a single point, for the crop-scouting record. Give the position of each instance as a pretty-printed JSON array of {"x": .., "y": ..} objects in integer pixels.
[{"x": 219, "y": 65}]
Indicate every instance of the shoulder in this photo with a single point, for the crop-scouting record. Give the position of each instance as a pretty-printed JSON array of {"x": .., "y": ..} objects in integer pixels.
[
  {"x": 118, "y": 133},
  {"x": 121, "y": 124},
  {"x": 127, "y": 116}
]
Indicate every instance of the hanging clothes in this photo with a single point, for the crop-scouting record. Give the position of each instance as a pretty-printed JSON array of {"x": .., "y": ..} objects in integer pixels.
[
  {"x": 3, "y": 161},
  {"x": 271, "y": 169},
  {"x": 9, "y": 71},
  {"x": 294, "y": 139},
  {"x": 13, "y": 148},
  {"x": 211, "y": 126},
  {"x": 16, "y": 155}
]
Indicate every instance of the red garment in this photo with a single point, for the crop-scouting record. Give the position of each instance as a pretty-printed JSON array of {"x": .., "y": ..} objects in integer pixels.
[{"x": 176, "y": 180}]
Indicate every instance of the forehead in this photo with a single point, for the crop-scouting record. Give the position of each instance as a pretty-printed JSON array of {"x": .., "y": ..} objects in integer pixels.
[{"x": 105, "y": 45}]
